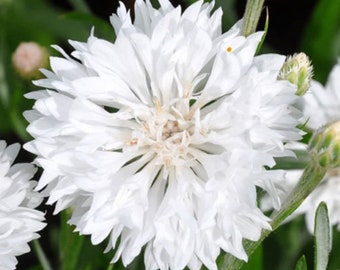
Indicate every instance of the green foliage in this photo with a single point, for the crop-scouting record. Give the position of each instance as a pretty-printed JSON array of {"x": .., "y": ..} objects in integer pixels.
[
  {"x": 301, "y": 264},
  {"x": 255, "y": 261},
  {"x": 321, "y": 37},
  {"x": 76, "y": 251},
  {"x": 322, "y": 241},
  {"x": 35, "y": 20},
  {"x": 266, "y": 26}
]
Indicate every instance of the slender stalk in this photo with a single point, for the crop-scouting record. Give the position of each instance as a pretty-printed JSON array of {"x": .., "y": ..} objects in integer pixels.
[
  {"x": 45, "y": 264},
  {"x": 110, "y": 267},
  {"x": 251, "y": 16}
]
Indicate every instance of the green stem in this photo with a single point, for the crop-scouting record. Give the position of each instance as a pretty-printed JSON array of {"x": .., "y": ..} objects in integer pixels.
[
  {"x": 110, "y": 267},
  {"x": 41, "y": 255},
  {"x": 311, "y": 177},
  {"x": 251, "y": 16}
]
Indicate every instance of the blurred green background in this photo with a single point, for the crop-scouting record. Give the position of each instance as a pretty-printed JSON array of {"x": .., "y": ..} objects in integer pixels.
[{"x": 311, "y": 26}]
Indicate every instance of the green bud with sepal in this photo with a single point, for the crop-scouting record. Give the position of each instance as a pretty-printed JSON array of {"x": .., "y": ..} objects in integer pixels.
[
  {"x": 298, "y": 70},
  {"x": 324, "y": 157},
  {"x": 325, "y": 145}
]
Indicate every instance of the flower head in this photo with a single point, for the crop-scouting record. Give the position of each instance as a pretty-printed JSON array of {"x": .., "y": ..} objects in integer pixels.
[
  {"x": 19, "y": 221},
  {"x": 161, "y": 137}
]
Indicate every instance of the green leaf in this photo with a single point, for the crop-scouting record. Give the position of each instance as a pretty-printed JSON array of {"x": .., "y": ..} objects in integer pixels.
[
  {"x": 266, "y": 26},
  {"x": 77, "y": 251},
  {"x": 255, "y": 261},
  {"x": 301, "y": 264},
  {"x": 289, "y": 163},
  {"x": 322, "y": 237},
  {"x": 70, "y": 244},
  {"x": 321, "y": 36},
  {"x": 45, "y": 264}
]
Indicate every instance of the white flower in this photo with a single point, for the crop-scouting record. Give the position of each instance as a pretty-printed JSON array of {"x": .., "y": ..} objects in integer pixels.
[
  {"x": 160, "y": 138},
  {"x": 19, "y": 221},
  {"x": 322, "y": 103}
]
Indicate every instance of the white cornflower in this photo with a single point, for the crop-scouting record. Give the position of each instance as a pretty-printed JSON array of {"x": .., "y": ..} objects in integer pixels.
[
  {"x": 160, "y": 138},
  {"x": 19, "y": 221}
]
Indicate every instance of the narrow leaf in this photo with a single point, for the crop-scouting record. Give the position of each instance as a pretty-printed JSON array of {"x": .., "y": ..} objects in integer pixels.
[
  {"x": 266, "y": 26},
  {"x": 322, "y": 237},
  {"x": 70, "y": 244}
]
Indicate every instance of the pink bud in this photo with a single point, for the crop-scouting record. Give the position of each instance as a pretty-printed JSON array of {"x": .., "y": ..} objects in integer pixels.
[{"x": 28, "y": 58}]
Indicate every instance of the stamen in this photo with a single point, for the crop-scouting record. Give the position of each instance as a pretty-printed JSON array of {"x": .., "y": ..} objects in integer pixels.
[
  {"x": 133, "y": 141},
  {"x": 157, "y": 105},
  {"x": 187, "y": 89},
  {"x": 229, "y": 49},
  {"x": 192, "y": 111},
  {"x": 167, "y": 162}
]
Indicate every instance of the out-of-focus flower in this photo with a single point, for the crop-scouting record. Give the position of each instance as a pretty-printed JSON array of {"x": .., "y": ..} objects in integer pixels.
[
  {"x": 19, "y": 221},
  {"x": 327, "y": 191},
  {"x": 322, "y": 103},
  {"x": 28, "y": 58},
  {"x": 161, "y": 138}
]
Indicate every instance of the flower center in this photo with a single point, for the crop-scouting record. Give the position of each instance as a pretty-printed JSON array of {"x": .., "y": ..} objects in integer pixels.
[
  {"x": 170, "y": 129},
  {"x": 169, "y": 138},
  {"x": 165, "y": 133}
]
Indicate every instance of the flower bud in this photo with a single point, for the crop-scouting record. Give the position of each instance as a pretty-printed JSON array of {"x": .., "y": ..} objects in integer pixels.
[
  {"x": 325, "y": 145},
  {"x": 298, "y": 70},
  {"x": 28, "y": 58}
]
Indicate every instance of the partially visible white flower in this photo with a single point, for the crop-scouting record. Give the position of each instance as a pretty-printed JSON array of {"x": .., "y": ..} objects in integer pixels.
[
  {"x": 322, "y": 103},
  {"x": 161, "y": 138},
  {"x": 328, "y": 191},
  {"x": 19, "y": 221},
  {"x": 321, "y": 106}
]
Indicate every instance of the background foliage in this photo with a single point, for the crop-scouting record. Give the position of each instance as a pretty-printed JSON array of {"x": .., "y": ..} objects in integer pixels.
[{"x": 311, "y": 26}]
